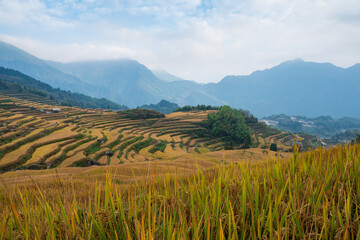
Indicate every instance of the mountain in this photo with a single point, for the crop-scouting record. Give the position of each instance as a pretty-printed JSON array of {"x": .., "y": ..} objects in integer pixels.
[
  {"x": 294, "y": 88},
  {"x": 14, "y": 58},
  {"x": 14, "y": 83},
  {"x": 133, "y": 84},
  {"x": 165, "y": 76},
  {"x": 123, "y": 81},
  {"x": 163, "y": 106}
]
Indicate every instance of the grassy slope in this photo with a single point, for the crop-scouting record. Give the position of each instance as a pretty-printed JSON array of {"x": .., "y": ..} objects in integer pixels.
[{"x": 310, "y": 195}]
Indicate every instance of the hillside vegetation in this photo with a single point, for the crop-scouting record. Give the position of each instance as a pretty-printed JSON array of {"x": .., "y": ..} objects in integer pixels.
[
  {"x": 163, "y": 106},
  {"x": 198, "y": 107},
  {"x": 16, "y": 84},
  {"x": 229, "y": 125},
  {"x": 35, "y": 137}
]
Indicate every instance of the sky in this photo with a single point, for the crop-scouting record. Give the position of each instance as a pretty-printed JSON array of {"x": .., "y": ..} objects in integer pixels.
[{"x": 201, "y": 40}]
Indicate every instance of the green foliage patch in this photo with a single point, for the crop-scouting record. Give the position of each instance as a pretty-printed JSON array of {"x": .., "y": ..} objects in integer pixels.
[
  {"x": 126, "y": 144},
  {"x": 158, "y": 147},
  {"x": 188, "y": 108},
  {"x": 140, "y": 114},
  {"x": 140, "y": 145},
  {"x": 227, "y": 124}
]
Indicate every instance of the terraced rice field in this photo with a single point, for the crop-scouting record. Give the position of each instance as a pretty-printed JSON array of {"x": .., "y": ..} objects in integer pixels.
[{"x": 34, "y": 137}]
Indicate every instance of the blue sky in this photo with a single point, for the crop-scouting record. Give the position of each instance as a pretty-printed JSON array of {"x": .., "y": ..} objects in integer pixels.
[{"x": 196, "y": 40}]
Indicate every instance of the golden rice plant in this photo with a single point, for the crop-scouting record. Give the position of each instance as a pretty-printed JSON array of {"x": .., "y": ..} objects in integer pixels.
[{"x": 312, "y": 195}]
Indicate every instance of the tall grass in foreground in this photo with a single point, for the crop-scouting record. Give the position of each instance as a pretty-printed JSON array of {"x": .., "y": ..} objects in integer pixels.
[{"x": 315, "y": 195}]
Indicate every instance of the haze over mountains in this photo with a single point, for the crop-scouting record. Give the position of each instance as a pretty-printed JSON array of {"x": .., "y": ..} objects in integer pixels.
[
  {"x": 17, "y": 59},
  {"x": 133, "y": 84},
  {"x": 293, "y": 88}
]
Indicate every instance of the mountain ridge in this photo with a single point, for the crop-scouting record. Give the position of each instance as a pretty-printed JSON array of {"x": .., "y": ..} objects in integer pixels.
[
  {"x": 16, "y": 84},
  {"x": 15, "y": 58},
  {"x": 294, "y": 87},
  {"x": 133, "y": 84}
]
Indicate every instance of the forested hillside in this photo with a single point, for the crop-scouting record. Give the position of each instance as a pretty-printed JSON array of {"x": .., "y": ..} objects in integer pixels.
[{"x": 14, "y": 83}]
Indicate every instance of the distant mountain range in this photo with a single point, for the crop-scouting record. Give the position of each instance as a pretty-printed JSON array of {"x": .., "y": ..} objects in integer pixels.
[
  {"x": 293, "y": 88},
  {"x": 17, "y": 59},
  {"x": 165, "y": 76},
  {"x": 131, "y": 83}
]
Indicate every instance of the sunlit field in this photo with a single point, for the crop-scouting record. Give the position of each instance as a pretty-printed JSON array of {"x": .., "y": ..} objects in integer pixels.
[{"x": 311, "y": 195}]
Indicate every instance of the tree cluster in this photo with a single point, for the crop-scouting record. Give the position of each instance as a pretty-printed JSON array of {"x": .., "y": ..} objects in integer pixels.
[
  {"x": 163, "y": 106},
  {"x": 140, "y": 114},
  {"x": 188, "y": 108},
  {"x": 229, "y": 125}
]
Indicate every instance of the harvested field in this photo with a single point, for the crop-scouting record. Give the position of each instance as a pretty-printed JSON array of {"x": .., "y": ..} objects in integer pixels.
[{"x": 38, "y": 139}]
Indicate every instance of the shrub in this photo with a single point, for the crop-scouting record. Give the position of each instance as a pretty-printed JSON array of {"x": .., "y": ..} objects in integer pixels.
[
  {"x": 188, "y": 108},
  {"x": 141, "y": 114},
  {"x": 229, "y": 125},
  {"x": 273, "y": 147}
]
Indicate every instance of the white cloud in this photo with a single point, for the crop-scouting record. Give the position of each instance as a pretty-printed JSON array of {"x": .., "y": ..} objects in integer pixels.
[
  {"x": 69, "y": 52},
  {"x": 199, "y": 40},
  {"x": 31, "y": 12}
]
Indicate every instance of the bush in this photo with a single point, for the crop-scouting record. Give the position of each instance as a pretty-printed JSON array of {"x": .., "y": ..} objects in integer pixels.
[
  {"x": 163, "y": 106},
  {"x": 273, "y": 147},
  {"x": 229, "y": 125},
  {"x": 188, "y": 108},
  {"x": 141, "y": 114}
]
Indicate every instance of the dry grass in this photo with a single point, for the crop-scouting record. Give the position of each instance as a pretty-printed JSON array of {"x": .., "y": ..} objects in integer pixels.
[
  {"x": 70, "y": 160},
  {"x": 315, "y": 195},
  {"x": 80, "y": 148},
  {"x": 36, "y": 131},
  {"x": 15, "y": 155},
  {"x": 41, "y": 152}
]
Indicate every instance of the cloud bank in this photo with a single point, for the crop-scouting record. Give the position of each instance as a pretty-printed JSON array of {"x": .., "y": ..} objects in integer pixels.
[{"x": 197, "y": 40}]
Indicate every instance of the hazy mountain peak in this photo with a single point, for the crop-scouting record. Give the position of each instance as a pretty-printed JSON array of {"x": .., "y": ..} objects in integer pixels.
[
  {"x": 294, "y": 87},
  {"x": 355, "y": 66},
  {"x": 294, "y": 61},
  {"x": 165, "y": 76},
  {"x": 12, "y": 53}
]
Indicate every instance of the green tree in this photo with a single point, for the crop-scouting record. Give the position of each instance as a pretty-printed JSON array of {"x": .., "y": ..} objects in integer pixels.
[
  {"x": 273, "y": 147},
  {"x": 228, "y": 124}
]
